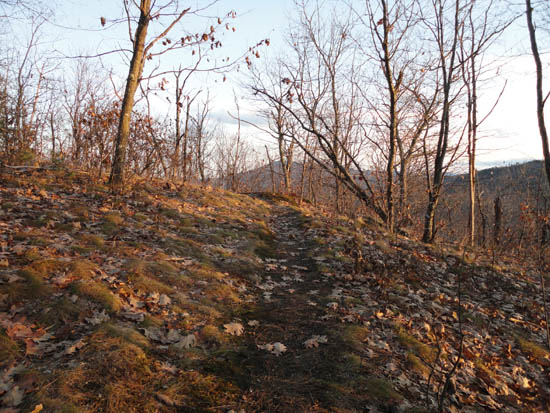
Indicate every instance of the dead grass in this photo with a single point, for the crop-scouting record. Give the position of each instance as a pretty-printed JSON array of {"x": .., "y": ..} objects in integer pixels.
[
  {"x": 418, "y": 348},
  {"x": 156, "y": 276},
  {"x": 99, "y": 293},
  {"x": 212, "y": 335},
  {"x": 206, "y": 273},
  {"x": 32, "y": 254},
  {"x": 184, "y": 247},
  {"x": 480, "y": 365},
  {"x": 170, "y": 213},
  {"x": 223, "y": 293},
  {"x": 534, "y": 351},
  {"x": 81, "y": 211},
  {"x": 381, "y": 390},
  {"x": 33, "y": 287},
  {"x": 148, "y": 284},
  {"x": 9, "y": 350},
  {"x": 47, "y": 268},
  {"x": 114, "y": 375},
  {"x": 417, "y": 365},
  {"x": 198, "y": 392},
  {"x": 130, "y": 335},
  {"x": 355, "y": 336},
  {"x": 93, "y": 240},
  {"x": 81, "y": 269}
]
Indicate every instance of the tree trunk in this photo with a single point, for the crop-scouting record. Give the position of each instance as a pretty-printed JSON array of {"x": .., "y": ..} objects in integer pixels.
[
  {"x": 388, "y": 74},
  {"x": 116, "y": 179},
  {"x": 404, "y": 218},
  {"x": 271, "y": 171},
  {"x": 185, "y": 164},
  {"x": 498, "y": 221},
  {"x": 540, "y": 99},
  {"x": 429, "y": 219}
]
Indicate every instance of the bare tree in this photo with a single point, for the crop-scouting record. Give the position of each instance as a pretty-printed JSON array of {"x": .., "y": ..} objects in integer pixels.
[
  {"x": 168, "y": 14},
  {"x": 201, "y": 141},
  {"x": 541, "y": 99},
  {"x": 445, "y": 27},
  {"x": 481, "y": 27},
  {"x": 24, "y": 81},
  {"x": 280, "y": 126},
  {"x": 182, "y": 138},
  {"x": 400, "y": 114},
  {"x": 324, "y": 103}
]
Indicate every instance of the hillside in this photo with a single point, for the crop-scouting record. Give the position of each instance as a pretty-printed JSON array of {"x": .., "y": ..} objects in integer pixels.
[
  {"x": 526, "y": 178},
  {"x": 192, "y": 299}
]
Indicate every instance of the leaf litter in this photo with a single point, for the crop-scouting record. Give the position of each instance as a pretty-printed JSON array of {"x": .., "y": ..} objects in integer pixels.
[{"x": 390, "y": 327}]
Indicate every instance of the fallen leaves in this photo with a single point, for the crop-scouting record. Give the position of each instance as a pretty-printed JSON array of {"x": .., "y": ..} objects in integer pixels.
[
  {"x": 235, "y": 329},
  {"x": 14, "y": 397},
  {"x": 274, "y": 348},
  {"x": 74, "y": 347},
  {"x": 167, "y": 400},
  {"x": 418, "y": 294},
  {"x": 315, "y": 341},
  {"x": 38, "y": 408},
  {"x": 186, "y": 342}
]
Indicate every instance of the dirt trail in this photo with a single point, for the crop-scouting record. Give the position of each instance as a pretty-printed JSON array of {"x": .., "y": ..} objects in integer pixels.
[{"x": 292, "y": 309}]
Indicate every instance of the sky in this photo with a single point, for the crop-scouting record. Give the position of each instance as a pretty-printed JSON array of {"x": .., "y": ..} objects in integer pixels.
[{"x": 509, "y": 135}]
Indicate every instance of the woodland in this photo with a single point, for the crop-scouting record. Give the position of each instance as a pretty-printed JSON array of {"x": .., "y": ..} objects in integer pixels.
[{"x": 351, "y": 257}]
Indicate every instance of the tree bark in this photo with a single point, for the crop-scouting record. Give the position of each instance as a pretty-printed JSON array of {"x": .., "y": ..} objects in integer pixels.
[
  {"x": 540, "y": 99},
  {"x": 392, "y": 91},
  {"x": 136, "y": 69}
]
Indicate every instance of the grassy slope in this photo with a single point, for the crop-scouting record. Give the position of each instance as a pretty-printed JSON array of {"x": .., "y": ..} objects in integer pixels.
[{"x": 119, "y": 303}]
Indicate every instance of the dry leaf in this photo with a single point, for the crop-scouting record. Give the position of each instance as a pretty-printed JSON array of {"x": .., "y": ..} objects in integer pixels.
[
  {"x": 278, "y": 348},
  {"x": 167, "y": 400},
  {"x": 315, "y": 341},
  {"x": 235, "y": 329},
  {"x": 274, "y": 348},
  {"x": 164, "y": 300},
  {"x": 98, "y": 318},
  {"x": 38, "y": 408},
  {"x": 77, "y": 345},
  {"x": 14, "y": 397},
  {"x": 187, "y": 342},
  {"x": 173, "y": 336}
]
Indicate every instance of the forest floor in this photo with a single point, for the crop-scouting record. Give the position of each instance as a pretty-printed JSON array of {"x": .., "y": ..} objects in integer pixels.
[{"x": 192, "y": 299}]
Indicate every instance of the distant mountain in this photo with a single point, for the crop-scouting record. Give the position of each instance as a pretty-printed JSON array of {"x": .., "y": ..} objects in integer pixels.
[
  {"x": 526, "y": 178},
  {"x": 521, "y": 188}
]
